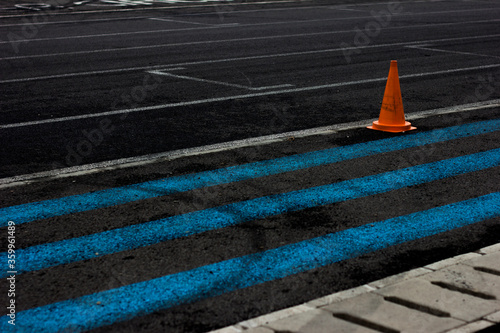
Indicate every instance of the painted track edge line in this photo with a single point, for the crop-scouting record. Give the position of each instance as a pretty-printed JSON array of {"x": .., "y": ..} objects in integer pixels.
[
  {"x": 135, "y": 161},
  {"x": 86, "y": 312}
]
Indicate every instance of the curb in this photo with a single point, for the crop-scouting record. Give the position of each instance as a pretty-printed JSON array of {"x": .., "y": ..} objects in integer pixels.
[{"x": 262, "y": 324}]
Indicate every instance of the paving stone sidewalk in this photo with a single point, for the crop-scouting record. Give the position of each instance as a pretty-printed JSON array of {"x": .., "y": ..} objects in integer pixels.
[{"x": 456, "y": 295}]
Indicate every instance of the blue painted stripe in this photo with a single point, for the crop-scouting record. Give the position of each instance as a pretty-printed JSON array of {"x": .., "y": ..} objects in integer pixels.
[
  {"x": 135, "y": 236},
  {"x": 121, "y": 195},
  {"x": 146, "y": 297}
]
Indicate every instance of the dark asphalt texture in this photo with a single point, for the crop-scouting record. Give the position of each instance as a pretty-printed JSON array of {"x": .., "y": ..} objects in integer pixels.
[
  {"x": 112, "y": 271},
  {"x": 43, "y": 147},
  {"x": 203, "y": 49}
]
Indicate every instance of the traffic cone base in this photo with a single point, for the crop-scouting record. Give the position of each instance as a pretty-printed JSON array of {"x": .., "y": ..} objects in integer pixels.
[
  {"x": 392, "y": 128},
  {"x": 392, "y": 116}
]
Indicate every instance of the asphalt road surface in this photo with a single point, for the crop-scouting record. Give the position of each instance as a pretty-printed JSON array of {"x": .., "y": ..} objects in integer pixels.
[
  {"x": 190, "y": 249},
  {"x": 158, "y": 81}
]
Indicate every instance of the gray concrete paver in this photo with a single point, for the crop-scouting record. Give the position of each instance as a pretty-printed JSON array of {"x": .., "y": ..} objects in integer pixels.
[
  {"x": 399, "y": 277},
  {"x": 259, "y": 330},
  {"x": 317, "y": 321},
  {"x": 458, "y": 305},
  {"x": 471, "y": 327},
  {"x": 340, "y": 296},
  {"x": 494, "y": 317},
  {"x": 490, "y": 249},
  {"x": 468, "y": 279},
  {"x": 452, "y": 261},
  {"x": 274, "y": 316},
  {"x": 375, "y": 309},
  {"x": 471, "y": 297},
  {"x": 491, "y": 261}
]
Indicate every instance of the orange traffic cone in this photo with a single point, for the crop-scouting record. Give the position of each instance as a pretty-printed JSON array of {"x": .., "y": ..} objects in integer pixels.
[{"x": 392, "y": 115}]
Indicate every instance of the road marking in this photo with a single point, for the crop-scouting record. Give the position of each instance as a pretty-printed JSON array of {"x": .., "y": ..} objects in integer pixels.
[
  {"x": 190, "y": 78},
  {"x": 218, "y": 26},
  {"x": 120, "y": 304},
  {"x": 149, "y": 233},
  {"x": 148, "y": 32},
  {"x": 68, "y": 75},
  {"x": 232, "y": 41},
  {"x": 344, "y": 7},
  {"x": 361, "y": 4},
  {"x": 75, "y": 21},
  {"x": 229, "y": 98},
  {"x": 167, "y": 186},
  {"x": 224, "y": 146},
  {"x": 205, "y": 62},
  {"x": 244, "y": 11},
  {"x": 234, "y": 11},
  {"x": 454, "y": 52},
  {"x": 179, "y": 21},
  {"x": 167, "y": 7}
]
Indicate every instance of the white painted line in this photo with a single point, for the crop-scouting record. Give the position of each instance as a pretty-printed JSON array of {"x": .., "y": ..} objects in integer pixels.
[
  {"x": 344, "y": 7},
  {"x": 167, "y": 7},
  {"x": 272, "y": 87},
  {"x": 159, "y": 72},
  {"x": 453, "y": 52},
  {"x": 233, "y": 11},
  {"x": 225, "y": 146},
  {"x": 198, "y": 80},
  {"x": 217, "y": 6},
  {"x": 175, "y": 68},
  {"x": 206, "y": 62},
  {"x": 259, "y": 10},
  {"x": 179, "y": 21},
  {"x": 75, "y": 21},
  {"x": 62, "y": 76},
  {"x": 238, "y": 40},
  {"x": 365, "y": 17},
  {"x": 166, "y": 45},
  {"x": 229, "y": 98},
  {"x": 360, "y": 5},
  {"x": 146, "y": 32},
  {"x": 228, "y": 25}
]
